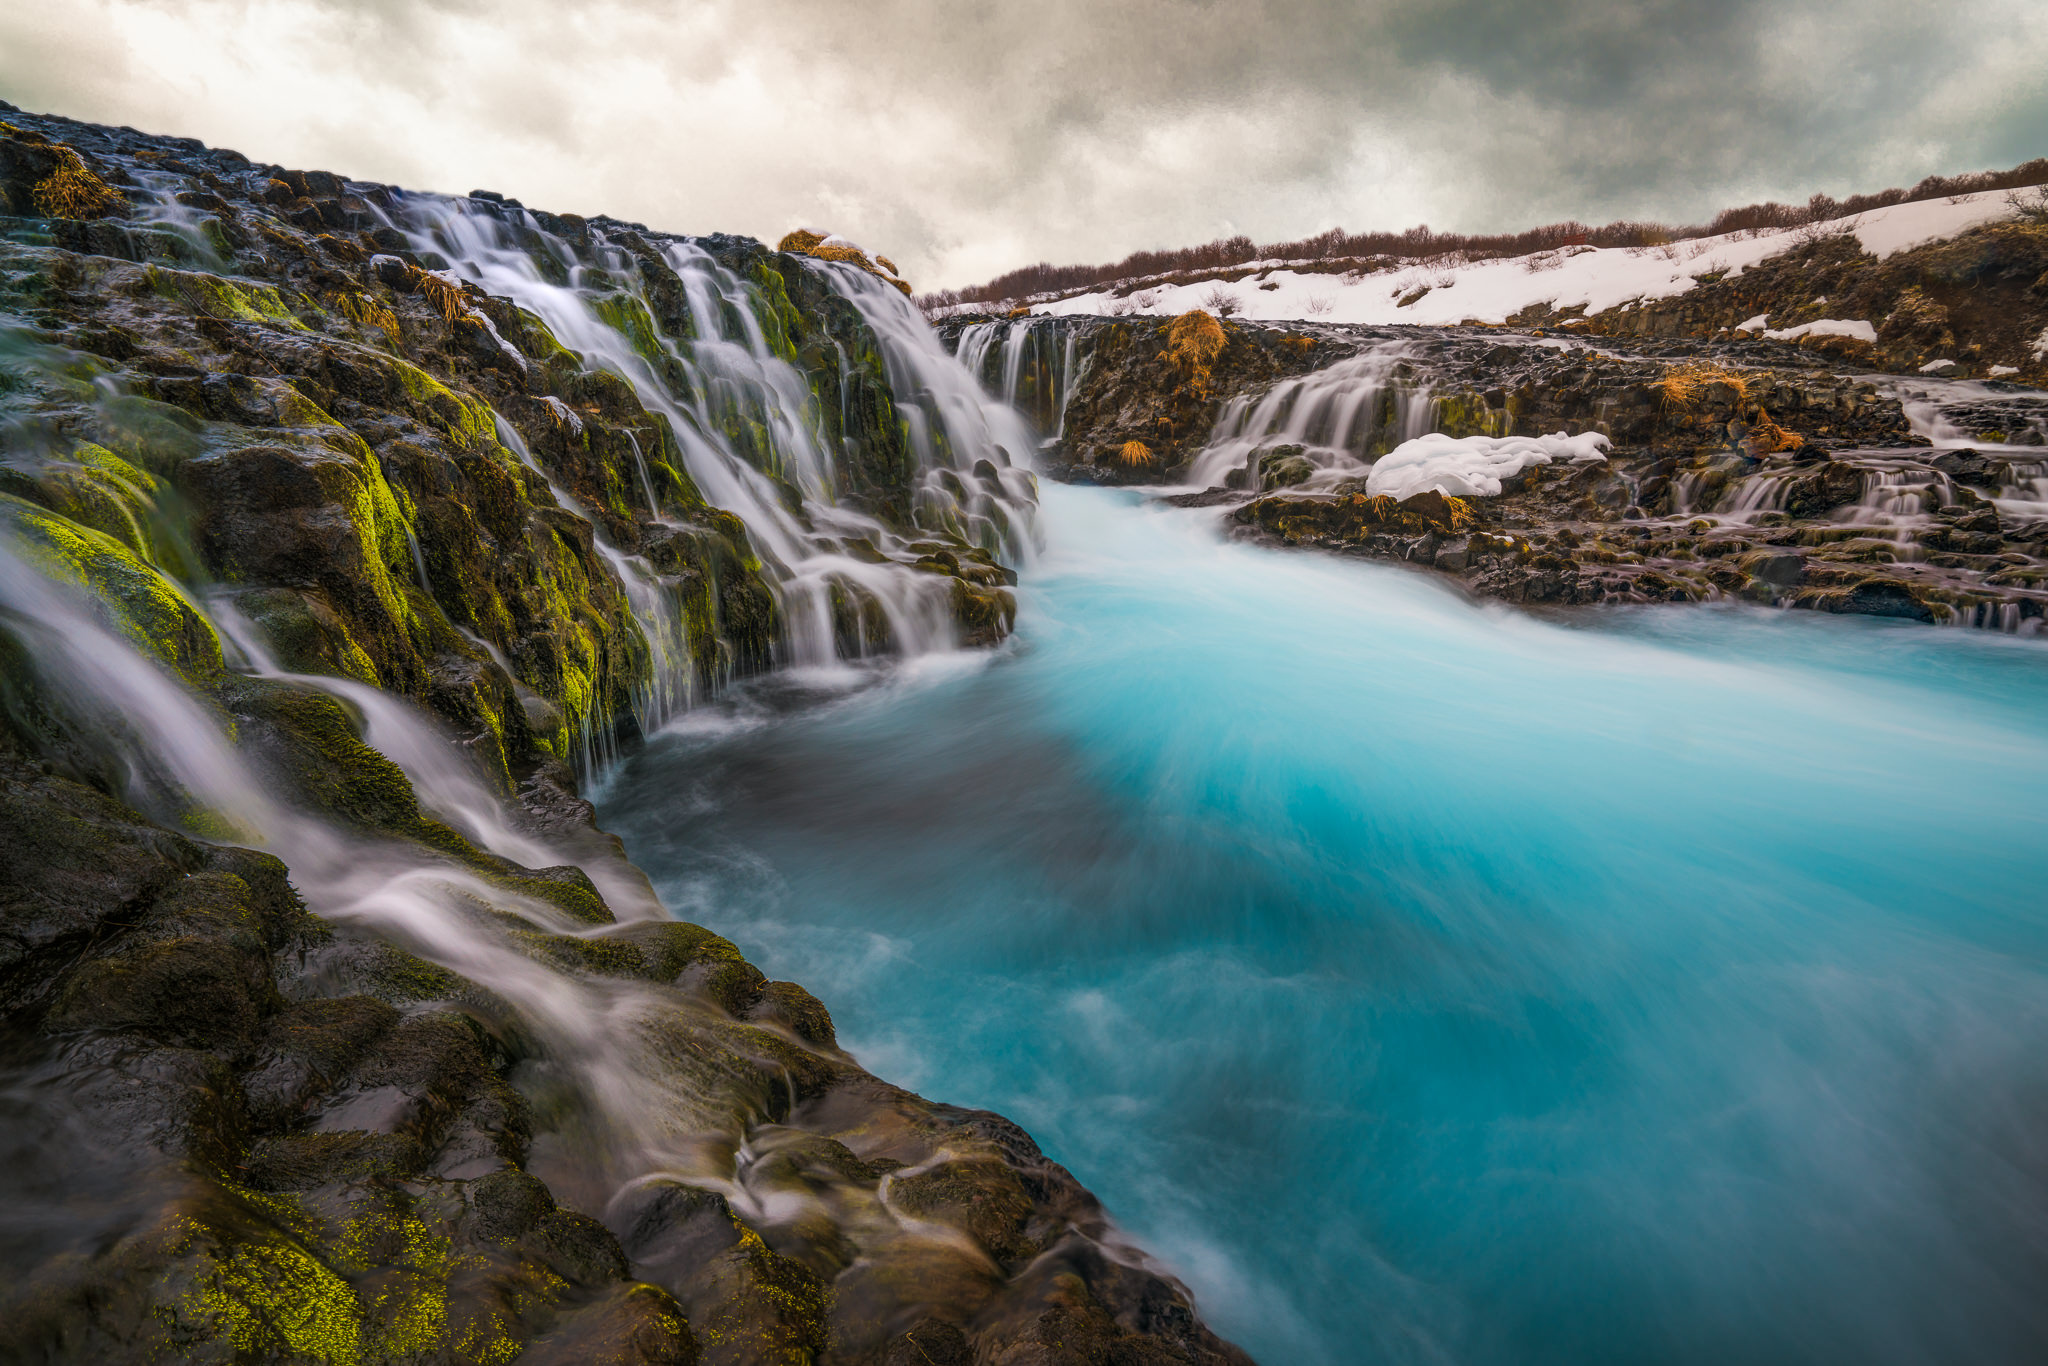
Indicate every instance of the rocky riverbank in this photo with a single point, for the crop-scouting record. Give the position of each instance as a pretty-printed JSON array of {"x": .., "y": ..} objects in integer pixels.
[
  {"x": 308, "y": 1056},
  {"x": 1749, "y": 468}
]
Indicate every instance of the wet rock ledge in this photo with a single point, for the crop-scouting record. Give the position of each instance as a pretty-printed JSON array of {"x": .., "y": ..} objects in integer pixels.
[
  {"x": 1745, "y": 469},
  {"x": 238, "y": 1128}
]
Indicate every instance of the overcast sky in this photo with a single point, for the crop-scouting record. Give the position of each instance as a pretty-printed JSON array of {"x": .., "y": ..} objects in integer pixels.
[{"x": 964, "y": 138}]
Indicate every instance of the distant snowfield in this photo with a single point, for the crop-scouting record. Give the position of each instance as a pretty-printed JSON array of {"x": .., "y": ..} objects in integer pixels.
[{"x": 1598, "y": 277}]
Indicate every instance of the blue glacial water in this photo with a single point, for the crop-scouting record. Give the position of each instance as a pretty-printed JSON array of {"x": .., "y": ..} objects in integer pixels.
[{"x": 1430, "y": 982}]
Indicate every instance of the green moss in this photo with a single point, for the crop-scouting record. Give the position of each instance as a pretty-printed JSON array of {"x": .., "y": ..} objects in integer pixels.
[
  {"x": 358, "y": 486},
  {"x": 778, "y": 1313},
  {"x": 463, "y": 417},
  {"x": 234, "y": 301},
  {"x": 310, "y": 740},
  {"x": 306, "y": 635},
  {"x": 100, "y": 489},
  {"x": 266, "y": 1296},
  {"x": 539, "y": 343},
  {"x": 780, "y": 321},
  {"x": 626, "y": 315},
  {"x": 393, "y": 975},
  {"x": 568, "y": 890},
  {"x": 1464, "y": 412},
  {"x": 144, "y": 605}
]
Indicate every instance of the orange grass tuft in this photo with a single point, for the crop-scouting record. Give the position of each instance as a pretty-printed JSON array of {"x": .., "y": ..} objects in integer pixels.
[
  {"x": 1682, "y": 385},
  {"x": 442, "y": 292},
  {"x": 1193, "y": 342}
]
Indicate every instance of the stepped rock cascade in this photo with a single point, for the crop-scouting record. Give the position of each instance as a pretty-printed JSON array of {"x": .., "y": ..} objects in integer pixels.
[
  {"x": 1333, "y": 423},
  {"x": 342, "y": 530},
  {"x": 705, "y": 348}
]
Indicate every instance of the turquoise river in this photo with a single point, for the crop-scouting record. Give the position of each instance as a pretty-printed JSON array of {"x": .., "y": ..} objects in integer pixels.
[{"x": 1424, "y": 981}]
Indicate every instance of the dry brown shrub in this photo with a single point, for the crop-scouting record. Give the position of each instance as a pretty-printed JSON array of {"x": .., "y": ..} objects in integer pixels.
[
  {"x": 442, "y": 292},
  {"x": 1135, "y": 453},
  {"x": 804, "y": 242},
  {"x": 853, "y": 256},
  {"x": 1193, "y": 341},
  {"x": 1682, "y": 385},
  {"x": 73, "y": 189},
  {"x": 1768, "y": 438}
]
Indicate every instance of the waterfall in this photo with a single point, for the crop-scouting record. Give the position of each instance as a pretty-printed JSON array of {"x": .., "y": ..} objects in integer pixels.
[
  {"x": 973, "y": 453},
  {"x": 600, "y": 1036},
  {"x": 1015, "y": 362},
  {"x": 751, "y": 433},
  {"x": 1341, "y": 418}
]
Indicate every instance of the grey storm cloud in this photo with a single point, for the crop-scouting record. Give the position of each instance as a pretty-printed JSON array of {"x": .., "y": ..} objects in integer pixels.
[{"x": 969, "y": 137}]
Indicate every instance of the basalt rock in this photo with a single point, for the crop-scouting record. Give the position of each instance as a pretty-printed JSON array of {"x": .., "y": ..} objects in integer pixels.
[
  {"x": 1737, "y": 471},
  {"x": 1808, "y": 538}
]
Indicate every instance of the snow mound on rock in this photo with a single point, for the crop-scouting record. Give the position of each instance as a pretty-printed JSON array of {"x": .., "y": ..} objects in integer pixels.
[
  {"x": 1827, "y": 327},
  {"x": 1473, "y": 466}
]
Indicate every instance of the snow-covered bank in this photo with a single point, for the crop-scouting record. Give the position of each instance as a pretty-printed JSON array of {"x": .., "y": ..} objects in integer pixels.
[{"x": 1599, "y": 278}]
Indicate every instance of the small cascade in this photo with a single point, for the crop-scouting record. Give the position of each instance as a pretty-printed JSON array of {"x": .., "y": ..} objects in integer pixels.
[
  {"x": 751, "y": 434},
  {"x": 2024, "y": 492},
  {"x": 162, "y": 211},
  {"x": 1067, "y": 378},
  {"x": 1902, "y": 499},
  {"x": 419, "y": 559},
  {"x": 1341, "y": 417},
  {"x": 646, "y": 484},
  {"x": 973, "y": 454},
  {"x": 1031, "y": 364},
  {"x": 671, "y": 678},
  {"x": 1751, "y": 496}
]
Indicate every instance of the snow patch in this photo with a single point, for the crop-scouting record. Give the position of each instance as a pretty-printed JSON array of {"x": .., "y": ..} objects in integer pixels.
[
  {"x": 1938, "y": 367},
  {"x": 1756, "y": 324},
  {"x": 1999, "y": 371},
  {"x": 1826, "y": 327},
  {"x": 1473, "y": 466},
  {"x": 1600, "y": 278}
]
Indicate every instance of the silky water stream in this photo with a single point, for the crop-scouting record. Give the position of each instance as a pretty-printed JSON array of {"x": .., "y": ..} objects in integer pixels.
[{"x": 1428, "y": 981}]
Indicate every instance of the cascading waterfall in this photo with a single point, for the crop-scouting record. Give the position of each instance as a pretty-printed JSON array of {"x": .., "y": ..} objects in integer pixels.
[
  {"x": 605, "y": 1047},
  {"x": 671, "y": 682},
  {"x": 629, "y": 1088},
  {"x": 973, "y": 453},
  {"x": 1030, "y": 364},
  {"x": 1340, "y": 417},
  {"x": 748, "y": 426}
]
